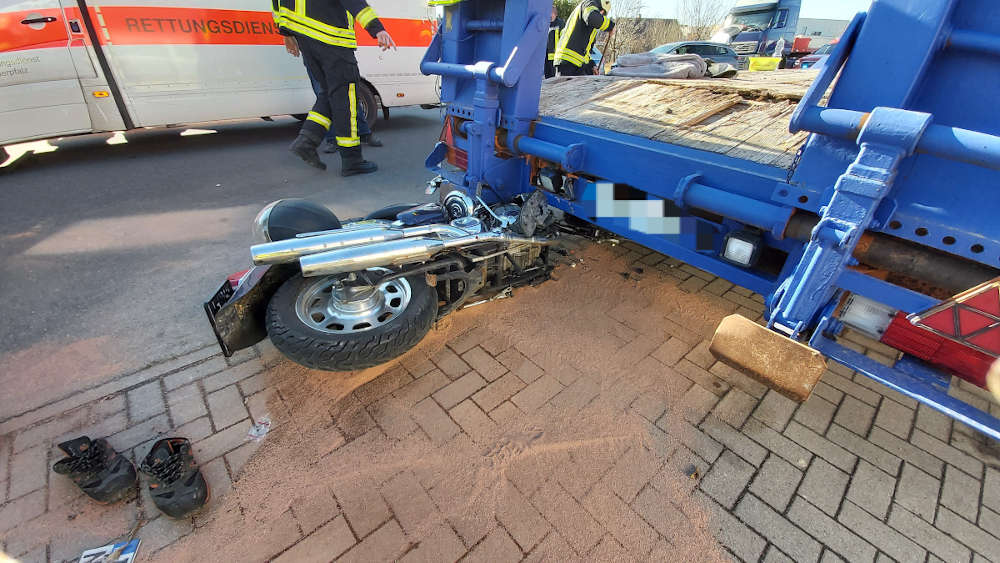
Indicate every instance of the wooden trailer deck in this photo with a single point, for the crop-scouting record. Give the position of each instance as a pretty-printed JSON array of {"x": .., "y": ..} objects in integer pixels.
[{"x": 744, "y": 117}]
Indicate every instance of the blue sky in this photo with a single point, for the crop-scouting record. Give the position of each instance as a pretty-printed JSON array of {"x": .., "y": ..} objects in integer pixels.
[{"x": 833, "y": 9}]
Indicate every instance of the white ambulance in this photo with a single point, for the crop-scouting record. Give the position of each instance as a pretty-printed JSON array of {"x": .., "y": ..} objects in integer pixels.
[{"x": 82, "y": 66}]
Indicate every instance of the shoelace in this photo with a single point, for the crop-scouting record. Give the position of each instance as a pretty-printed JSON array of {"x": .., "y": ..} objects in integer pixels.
[
  {"x": 89, "y": 459},
  {"x": 168, "y": 471}
]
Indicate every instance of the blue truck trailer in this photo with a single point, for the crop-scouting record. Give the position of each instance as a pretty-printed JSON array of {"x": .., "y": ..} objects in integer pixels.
[{"x": 883, "y": 217}]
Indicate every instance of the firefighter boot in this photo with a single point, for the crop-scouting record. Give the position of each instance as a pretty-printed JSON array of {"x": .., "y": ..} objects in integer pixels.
[
  {"x": 371, "y": 140},
  {"x": 101, "y": 472},
  {"x": 353, "y": 163},
  {"x": 304, "y": 146}
]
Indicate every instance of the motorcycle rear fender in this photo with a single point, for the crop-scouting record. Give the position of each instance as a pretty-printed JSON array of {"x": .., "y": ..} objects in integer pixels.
[{"x": 239, "y": 323}]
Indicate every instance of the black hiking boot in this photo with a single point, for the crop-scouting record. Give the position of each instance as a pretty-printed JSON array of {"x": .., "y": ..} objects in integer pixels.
[
  {"x": 304, "y": 146},
  {"x": 351, "y": 162},
  {"x": 101, "y": 472},
  {"x": 329, "y": 147},
  {"x": 371, "y": 140},
  {"x": 175, "y": 483}
]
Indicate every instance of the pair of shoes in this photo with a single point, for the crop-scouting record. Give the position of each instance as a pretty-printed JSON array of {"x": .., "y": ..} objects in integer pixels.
[
  {"x": 175, "y": 483},
  {"x": 371, "y": 140}
]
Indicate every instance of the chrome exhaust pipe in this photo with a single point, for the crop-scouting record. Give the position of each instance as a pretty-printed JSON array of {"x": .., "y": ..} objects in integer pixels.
[
  {"x": 289, "y": 250},
  {"x": 398, "y": 252}
]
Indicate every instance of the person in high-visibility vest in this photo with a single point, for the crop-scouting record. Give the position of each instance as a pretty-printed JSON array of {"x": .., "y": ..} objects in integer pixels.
[
  {"x": 550, "y": 49},
  {"x": 572, "y": 56},
  {"x": 323, "y": 32}
]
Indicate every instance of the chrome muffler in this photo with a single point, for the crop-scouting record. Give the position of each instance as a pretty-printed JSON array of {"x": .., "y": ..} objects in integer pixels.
[
  {"x": 289, "y": 250},
  {"x": 399, "y": 252}
]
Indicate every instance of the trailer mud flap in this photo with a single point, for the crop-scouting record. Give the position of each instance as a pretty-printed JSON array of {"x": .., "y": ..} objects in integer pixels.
[
  {"x": 789, "y": 367},
  {"x": 237, "y": 313}
]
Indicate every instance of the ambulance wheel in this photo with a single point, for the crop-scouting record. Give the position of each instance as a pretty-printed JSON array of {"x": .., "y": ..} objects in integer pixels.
[
  {"x": 369, "y": 107},
  {"x": 323, "y": 323}
]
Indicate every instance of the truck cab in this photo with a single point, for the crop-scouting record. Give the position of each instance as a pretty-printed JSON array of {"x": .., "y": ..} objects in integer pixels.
[{"x": 762, "y": 24}]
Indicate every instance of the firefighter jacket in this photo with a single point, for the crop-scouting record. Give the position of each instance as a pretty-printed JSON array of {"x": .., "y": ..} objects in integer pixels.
[
  {"x": 581, "y": 29},
  {"x": 555, "y": 26},
  {"x": 326, "y": 21}
]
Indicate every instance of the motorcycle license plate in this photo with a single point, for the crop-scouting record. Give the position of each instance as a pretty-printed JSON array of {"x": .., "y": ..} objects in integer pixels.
[{"x": 221, "y": 297}]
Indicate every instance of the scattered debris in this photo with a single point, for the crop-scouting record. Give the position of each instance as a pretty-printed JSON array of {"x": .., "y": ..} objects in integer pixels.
[
  {"x": 691, "y": 471},
  {"x": 123, "y": 552},
  {"x": 259, "y": 429}
]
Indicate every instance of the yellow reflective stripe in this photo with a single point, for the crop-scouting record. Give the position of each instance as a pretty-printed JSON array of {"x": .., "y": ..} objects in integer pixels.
[
  {"x": 552, "y": 56},
  {"x": 442, "y": 2},
  {"x": 348, "y": 141},
  {"x": 352, "y": 96},
  {"x": 320, "y": 36},
  {"x": 590, "y": 44},
  {"x": 300, "y": 7},
  {"x": 587, "y": 11},
  {"x": 366, "y": 16},
  {"x": 605, "y": 24},
  {"x": 302, "y": 19},
  {"x": 570, "y": 56},
  {"x": 319, "y": 118}
]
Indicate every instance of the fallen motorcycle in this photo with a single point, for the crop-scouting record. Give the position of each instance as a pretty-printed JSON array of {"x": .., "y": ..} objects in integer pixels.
[{"x": 349, "y": 296}]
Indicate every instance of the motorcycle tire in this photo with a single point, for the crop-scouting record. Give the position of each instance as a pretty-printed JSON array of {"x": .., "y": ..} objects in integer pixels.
[{"x": 316, "y": 349}]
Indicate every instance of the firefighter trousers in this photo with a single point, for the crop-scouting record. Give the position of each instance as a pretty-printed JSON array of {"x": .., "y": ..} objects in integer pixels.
[
  {"x": 570, "y": 69},
  {"x": 336, "y": 70}
]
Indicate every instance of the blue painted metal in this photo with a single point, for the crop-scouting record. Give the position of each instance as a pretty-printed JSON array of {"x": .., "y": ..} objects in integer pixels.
[{"x": 908, "y": 144}]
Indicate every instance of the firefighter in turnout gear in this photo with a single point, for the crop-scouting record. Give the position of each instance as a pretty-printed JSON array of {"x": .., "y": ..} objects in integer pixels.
[
  {"x": 572, "y": 56},
  {"x": 555, "y": 26},
  {"x": 323, "y": 32}
]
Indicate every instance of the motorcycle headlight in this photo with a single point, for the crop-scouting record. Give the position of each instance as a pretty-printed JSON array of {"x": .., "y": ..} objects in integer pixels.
[{"x": 258, "y": 231}]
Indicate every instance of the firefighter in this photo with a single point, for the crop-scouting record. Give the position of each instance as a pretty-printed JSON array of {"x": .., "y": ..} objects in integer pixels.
[
  {"x": 550, "y": 49},
  {"x": 323, "y": 32},
  {"x": 572, "y": 56}
]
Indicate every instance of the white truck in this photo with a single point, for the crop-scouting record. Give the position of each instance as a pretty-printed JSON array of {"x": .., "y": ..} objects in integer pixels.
[{"x": 81, "y": 66}]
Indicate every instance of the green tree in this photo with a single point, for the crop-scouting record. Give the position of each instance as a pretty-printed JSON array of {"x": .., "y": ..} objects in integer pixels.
[{"x": 565, "y": 7}]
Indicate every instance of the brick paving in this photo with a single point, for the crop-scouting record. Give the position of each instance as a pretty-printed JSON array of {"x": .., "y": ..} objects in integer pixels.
[{"x": 856, "y": 473}]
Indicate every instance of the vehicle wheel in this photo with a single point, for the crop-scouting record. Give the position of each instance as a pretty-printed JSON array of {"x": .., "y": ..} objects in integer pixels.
[
  {"x": 321, "y": 324},
  {"x": 369, "y": 107}
]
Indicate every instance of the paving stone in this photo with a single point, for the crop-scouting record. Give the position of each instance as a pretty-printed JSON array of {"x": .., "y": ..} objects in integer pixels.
[
  {"x": 162, "y": 532},
  {"x": 943, "y": 451},
  {"x": 827, "y": 530},
  {"x": 608, "y": 549},
  {"x": 775, "y": 410},
  {"x": 505, "y": 413},
  {"x": 145, "y": 401},
  {"x": 483, "y": 363},
  {"x": 739, "y": 380},
  {"x": 28, "y": 471},
  {"x": 5, "y": 447},
  {"x": 226, "y": 407},
  {"x": 820, "y": 446},
  {"x": 417, "y": 363},
  {"x": 186, "y": 404},
  {"x": 727, "y": 479},
  {"x": 830, "y": 557},
  {"x": 824, "y": 486},
  {"x": 574, "y": 523},
  {"x": 421, "y": 388},
  {"x": 702, "y": 377},
  {"x": 855, "y": 415},
  {"x": 577, "y": 395},
  {"x": 362, "y": 504},
  {"x": 696, "y": 403},
  {"x": 219, "y": 483},
  {"x": 498, "y": 547},
  {"x": 627, "y": 527},
  {"x": 194, "y": 373},
  {"x": 815, "y": 414},
  {"x": 553, "y": 548},
  {"x": 968, "y": 534},
  {"x": 631, "y": 473},
  {"x": 469, "y": 339},
  {"x": 197, "y": 429},
  {"x": 775, "y": 482},
  {"x": 735, "y": 535},
  {"x": 671, "y": 351},
  {"x": 829, "y": 393},
  {"x": 497, "y": 392},
  {"x": 239, "y": 457},
  {"x": 519, "y": 365},
  {"x": 700, "y": 355},
  {"x": 734, "y": 440},
  {"x": 522, "y": 521},
  {"x": 775, "y": 556},
  {"x": 394, "y": 420},
  {"x": 232, "y": 375},
  {"x": 886, "y": 539},
  {"x": 908, "y": 452},
  {"x": 735, "y": 407},
  {"x": 410, "y": 504},
  {"x": 282, "y": 532},
  {"x": 382, "y": 385},
  {"x": 895, "y": 418},
  {"x": 871, "y": 489},
  {"x": 925, "y": 534},
  {"x": 434, "y": 421},
  {"x": 782, "y": 533},
  {"x": 775, "y": 442},
  {"x": 865, "y": 381},
  {"x": 459, "y": 390},
  {"x": 699, "y": 442},
  {"x": 42, "y": 434},
  {"x": 449, "y": 363},
  {"x": 221, "y": 442},
  {"x": 440, "y": 544},
  {"x": 918, "y": 492},
  {"x": 21, "y": 509},
  {"x": 848, "y": 386},
  {"x": 864, "y": 449},
  {"x": 991, "y": 488},
  {"x": 989, "y": 521},
  {"x": 934, "y": 423},
  {"x": 385, "y": 544},
  {"x": 537, "y": 393},
  {"x": 325, "y": 543},
  {"x": 960, "y": 492}
]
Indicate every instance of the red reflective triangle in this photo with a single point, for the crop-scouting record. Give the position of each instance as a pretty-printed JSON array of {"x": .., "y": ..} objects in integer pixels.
[
  {"x": 943, "y": 321},
  {"x": 971, "y": 322},
  {"x": 987, "y": 301},
  {"x": 989, "y": 341}
]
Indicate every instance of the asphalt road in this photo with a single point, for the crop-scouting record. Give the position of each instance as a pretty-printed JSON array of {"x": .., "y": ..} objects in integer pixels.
[{"x": 108, "y": 251}]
